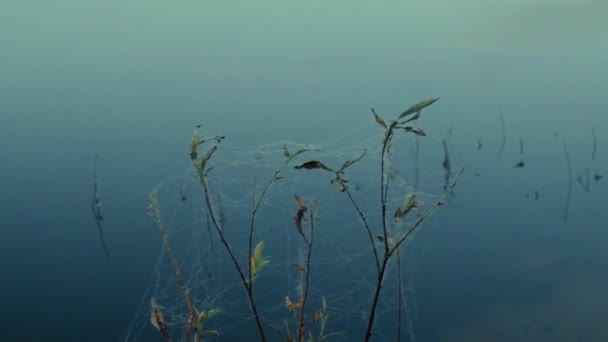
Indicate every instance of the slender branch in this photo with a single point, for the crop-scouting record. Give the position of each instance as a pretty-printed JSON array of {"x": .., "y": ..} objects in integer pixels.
[
  {"x": 399, "y": 296},
  {"x": 219, "y": 231},
  {"x": 384, "y": 183},
  {"x": 426, "y": 215},
  {"x": 251, "y": 225},
  {"x": 255, "y": 207},
  {"x": 309, "y": 243},
  {"x": 416, "y": 165},
  {"x": 385, "y": 259},
  {"x": 372, "y": 315},
  {"x": 367, "y": 228},
  {"x": 391, "y": 252},
  {"x": 154, "y": 210}
]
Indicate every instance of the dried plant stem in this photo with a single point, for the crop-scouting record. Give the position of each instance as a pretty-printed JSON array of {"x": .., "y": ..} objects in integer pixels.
[
  {"x": 367, "y": 228},
  {"x": 372, "y": 316},
  {"x": 427, "y": 214},
  {"x": 384, "y": 183},
  {"x": 248, "y": 288},
  {"x": 393, "y": 250},
  {"x": 416, "y": 164},
  {"x": 383, "y": 199},
  {"x": 309, "y": 243},
  {"x": 192, "y": 314},
  {"x": 256, "y": 206},
  {"x": 390, "y": 251},
  {"x": 399, "y": 296}
]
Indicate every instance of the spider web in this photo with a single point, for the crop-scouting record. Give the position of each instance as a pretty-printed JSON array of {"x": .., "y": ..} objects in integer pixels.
[{"x": 342, "y": 265}]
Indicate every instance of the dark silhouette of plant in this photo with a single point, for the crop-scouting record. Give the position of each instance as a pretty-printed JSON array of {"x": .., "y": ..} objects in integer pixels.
[
  {"x": 255, "y": 263},
  {"x": 385, "y": 243},
  {"x": 195, "y": 320},
  {"x": 303, "y": 213},
  {"x": 390, "y": 241}
]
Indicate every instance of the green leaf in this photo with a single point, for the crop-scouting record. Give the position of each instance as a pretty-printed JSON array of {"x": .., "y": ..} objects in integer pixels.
[
  {"x": 262, "y": 264},
  {"x": 409, "y": 200},
  {"x": 213, "y": 312},
  {"x": 302, "y": 150},
  {"x": 211, "y": 333},
  {"x": 352, "y": 161},
  {"x": 257, "y": 252},
  {"x": 336, "y": 333},
  {"x": 379, "y": 120},
  {"x": 391, "y": 242},
  {"x": 290, "y": 156},
  {"x": 202, "y": 317},
  {"x": 209, "y": 170},
  {"x": 418, "y": 107}
]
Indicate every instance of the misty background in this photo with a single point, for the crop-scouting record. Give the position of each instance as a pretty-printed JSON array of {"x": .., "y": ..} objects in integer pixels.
[{"x": 130, "y": 80}]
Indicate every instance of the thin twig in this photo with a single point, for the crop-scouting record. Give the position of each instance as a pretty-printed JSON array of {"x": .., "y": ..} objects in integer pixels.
[
  {"x": 390, "y": 253},
  {"x": 383, "y": 198},
  {"x": 399, "y": 296},
  {"x": 309, "y": 243},
  {"x": 384, "y": 183},
  {"x": 255, "y": 207},
  {"x": 416, "y": 164},
  {"x": 367, "y": 228},
  {"x": 154, "y": 211},
  {"x": 426, "y": 215},
  {"x": 238, "y": 268}
]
